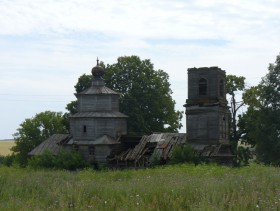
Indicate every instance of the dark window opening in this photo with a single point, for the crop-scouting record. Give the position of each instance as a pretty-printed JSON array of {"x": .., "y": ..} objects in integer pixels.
[
  {"x": 202, "y": 86},
  {"x": 85, "y": 128},
  {"x": 75, "y": 147},
  {"x": 222, "y": 88},
  {"x": 91, "y": 150},
  {"x": 224, "y": 127}
]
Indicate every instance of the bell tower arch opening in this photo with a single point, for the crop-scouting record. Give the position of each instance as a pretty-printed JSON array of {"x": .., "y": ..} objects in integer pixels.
[{"x": 202, "y": 86}]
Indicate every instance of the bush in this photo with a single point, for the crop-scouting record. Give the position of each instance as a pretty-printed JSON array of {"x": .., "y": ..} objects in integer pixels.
[
  {"x": 243, "y": 156},
  {"x": 7, "y": 160},
  {"x": 69, "y": 160},
  {"x": 46, "y": 160},
  {"x": 183, "y": 154},
  {"x": 2, "y": 158}
]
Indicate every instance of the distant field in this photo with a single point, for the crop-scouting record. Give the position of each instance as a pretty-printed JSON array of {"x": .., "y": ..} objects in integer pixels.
[{"x": 5, "y": 147}]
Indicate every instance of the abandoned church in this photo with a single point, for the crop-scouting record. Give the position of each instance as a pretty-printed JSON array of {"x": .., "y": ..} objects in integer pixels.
[{"x": 99, "y": 131}]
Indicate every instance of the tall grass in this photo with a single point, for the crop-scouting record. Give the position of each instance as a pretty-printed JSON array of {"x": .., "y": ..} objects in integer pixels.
[{"x": 180, "y": 187}]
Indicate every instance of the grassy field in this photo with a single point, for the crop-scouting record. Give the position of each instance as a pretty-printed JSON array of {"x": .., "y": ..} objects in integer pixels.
[
  {"x": 5, "y": 147},
  {"x": 181, "y": 187}
]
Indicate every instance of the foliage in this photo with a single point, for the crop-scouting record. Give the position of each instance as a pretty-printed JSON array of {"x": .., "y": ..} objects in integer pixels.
[
  {"x": 243, "y": 156},
  {"x": 234, "y": 84},
  {"x": 69, "y": 160},
  {"x": 7, "y": 160},
  {"x": 176, "y": 187},
  {"x": 146, "y": 95},
  {"x": 46, "y": 160},
  {"x": 261, "y": 123},
  {"x": 35, "y": 130},
  {"x": 83, "y": 83},
  {"x": 183, "y": 154}
]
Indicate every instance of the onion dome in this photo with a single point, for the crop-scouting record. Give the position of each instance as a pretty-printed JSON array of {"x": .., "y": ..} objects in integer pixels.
[{"x": 97, "y": 71}]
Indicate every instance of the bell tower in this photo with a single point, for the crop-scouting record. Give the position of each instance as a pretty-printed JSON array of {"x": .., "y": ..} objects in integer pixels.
[{"x": 207, "y": 113}]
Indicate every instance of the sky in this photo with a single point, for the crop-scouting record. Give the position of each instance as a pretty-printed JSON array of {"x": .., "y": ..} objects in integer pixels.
[{"x": 47, "y": 44}]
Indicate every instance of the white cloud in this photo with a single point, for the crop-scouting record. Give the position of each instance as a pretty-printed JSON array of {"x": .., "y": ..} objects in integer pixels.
[{"x": 46, "y": 45}]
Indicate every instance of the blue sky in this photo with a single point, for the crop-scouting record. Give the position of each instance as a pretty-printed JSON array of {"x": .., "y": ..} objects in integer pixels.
[{"x": 46, "y": 45}]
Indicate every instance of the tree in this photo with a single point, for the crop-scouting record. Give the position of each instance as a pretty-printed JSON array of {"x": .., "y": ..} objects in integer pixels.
[
  {"x": 233, "y": 85},
  {"x": 261, "y": 122},
  {"x": 35, "y": 130},
  {"x": 83, "y": 83},
  {"x": 146, "y": 95}
]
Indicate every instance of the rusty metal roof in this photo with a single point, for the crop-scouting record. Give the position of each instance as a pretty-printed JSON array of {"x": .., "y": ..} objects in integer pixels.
[
  {"x": 104, "y": 114},
  {"x": 53, "y": 144}
]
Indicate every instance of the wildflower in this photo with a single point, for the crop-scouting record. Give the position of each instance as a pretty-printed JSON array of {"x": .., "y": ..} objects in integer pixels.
[{"x": 257, "y": 206}]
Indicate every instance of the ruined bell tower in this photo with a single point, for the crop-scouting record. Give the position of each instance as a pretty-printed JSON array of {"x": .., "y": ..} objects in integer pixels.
[{"x": 207, "y": 113}]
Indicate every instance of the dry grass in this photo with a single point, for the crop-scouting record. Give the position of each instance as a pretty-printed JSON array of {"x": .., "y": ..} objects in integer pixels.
[{"x": 5, "y": 147}]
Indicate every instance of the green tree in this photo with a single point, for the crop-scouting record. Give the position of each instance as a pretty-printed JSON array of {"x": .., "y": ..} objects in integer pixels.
[
  {"x": 261, "y": 123},
  {"x": 35, "y": 130},
  {"x": 146, "y": 95},
  {"x": 234, "y": 84}
]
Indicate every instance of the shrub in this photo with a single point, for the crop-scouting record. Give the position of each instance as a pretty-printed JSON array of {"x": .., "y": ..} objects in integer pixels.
[
  {"x": 2, "y": 158},
  {"x": 183, "y": 154},
  {"x": 243, "y": 156},
  {"x": 69, "y": 160},
  {"x": 7, "y": 160},
  {"x": 46, "y": 160}
]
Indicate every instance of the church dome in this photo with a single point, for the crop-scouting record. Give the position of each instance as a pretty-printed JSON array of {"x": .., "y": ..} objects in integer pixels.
[{"x": 97, "y": 71}]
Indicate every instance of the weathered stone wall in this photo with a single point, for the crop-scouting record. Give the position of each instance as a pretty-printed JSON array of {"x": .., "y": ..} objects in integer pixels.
[
  {"x": 207, "y": 115},
  {"x": 213, "y": 75},
  {"x": 207, "y": 125}
]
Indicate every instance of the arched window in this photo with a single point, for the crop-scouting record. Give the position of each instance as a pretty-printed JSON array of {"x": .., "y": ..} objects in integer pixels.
[
  {"x": 202, "y": 86},
  {"x": 222, "y": 88}
]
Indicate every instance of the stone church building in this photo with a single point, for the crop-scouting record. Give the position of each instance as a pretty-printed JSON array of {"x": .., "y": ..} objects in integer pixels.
[{"x": 99, "y": 131}]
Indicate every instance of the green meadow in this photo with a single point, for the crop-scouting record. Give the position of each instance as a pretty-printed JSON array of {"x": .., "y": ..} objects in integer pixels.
[
  {"x": 178, "y": 187},
  {"x": 5, "y": 147}
]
